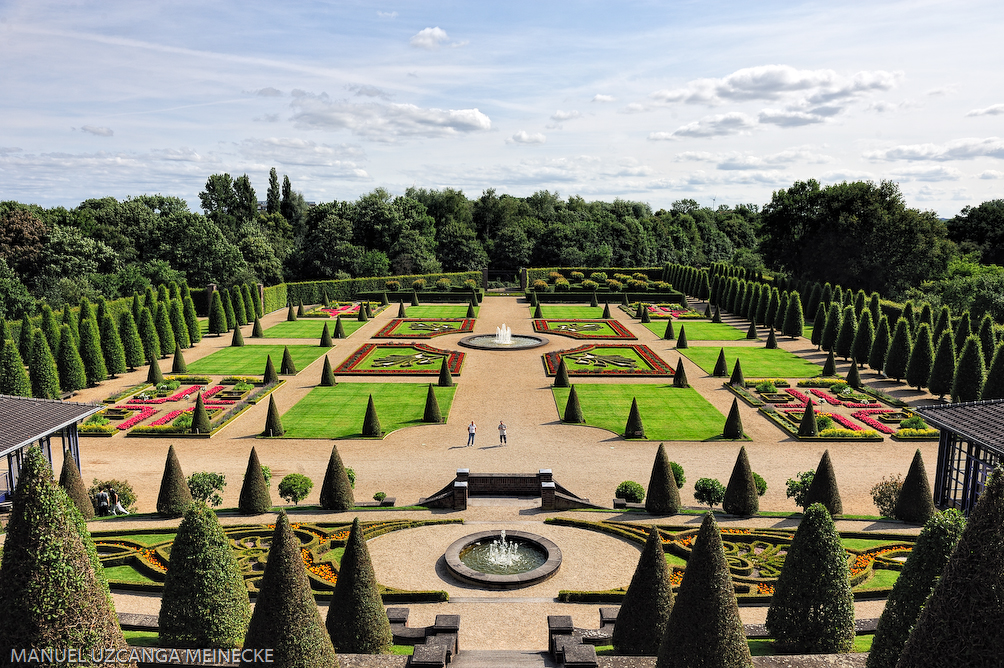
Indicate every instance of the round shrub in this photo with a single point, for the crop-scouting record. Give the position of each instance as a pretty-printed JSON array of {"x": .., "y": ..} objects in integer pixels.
[
  {"x": 470, "y": 283},
  {"x": 380, "y": 496},
  {"x": 614, "y": 285},
  {"x": 562, "y": 285},
  {"x": 885, "y": 493},
  {"x": 295, "y": 487},
  {"x": 393, "y": 285},
  {"x": 598, "y": 276},
  {"x": 678, "y": 475},
  {"x": 540, "y": 286},
  {"x": 554, "y": 276},
  {"x": 761, "y": 484},
  {"x": 709, "y": 491},
  {"x": 630, "y": 491},
  {"x": 443, "y": 284},
  {"x": 589, "y": 285},
  {"x": 577, "y": 276}
]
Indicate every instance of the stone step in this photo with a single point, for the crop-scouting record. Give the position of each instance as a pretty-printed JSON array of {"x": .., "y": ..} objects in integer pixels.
[{"x": 501, "y": 659}]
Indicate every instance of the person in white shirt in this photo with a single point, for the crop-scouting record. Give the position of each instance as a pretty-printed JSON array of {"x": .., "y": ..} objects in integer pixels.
[
  {"x": 502, "y": 429},
  {"x": 471, "y": 430}
]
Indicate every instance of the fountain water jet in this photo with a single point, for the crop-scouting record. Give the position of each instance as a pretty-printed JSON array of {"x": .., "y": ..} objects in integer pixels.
[{"x": 503, "y": 335}]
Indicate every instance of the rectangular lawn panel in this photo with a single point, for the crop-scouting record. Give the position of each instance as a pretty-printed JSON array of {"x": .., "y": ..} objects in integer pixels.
[
  {"x": 700, "y": 330},
  {"x": 416, "y": 328},
  {"x": 584, "y": 329},
  {"x": 249, "y": 360},
  {"x": 668, "y": 413},
  {"x": 400, "y": 359},
  {"x": 756, "y": 362},
  {"x": 310, "y": 329},
  {"x": 439, "y": 311},
  {"x": 566, "y": 311},
  {"x": 337, "y": 412},
  {"x": 612, "y": 359}
]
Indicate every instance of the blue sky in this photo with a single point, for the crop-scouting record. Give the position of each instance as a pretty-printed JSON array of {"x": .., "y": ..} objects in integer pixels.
[{"x": 722, "y": 102}]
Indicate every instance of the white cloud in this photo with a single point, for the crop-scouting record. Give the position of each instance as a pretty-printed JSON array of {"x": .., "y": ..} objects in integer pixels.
[
  {"x": 524, "y": 137},
  {"x": 386, "y": 122},
  {"x": 789, "y": 118},
  {"x": 993, "y": 110},
  {"x": 387, "y": 15},
  {"x": 266, "y": 92},
  {"x": 696, "y": 156},
  {"x": 433, "y": 38},
  {"x": 958, "y": 149},
  {"x": 599, "y": 97},
  {"x": 988, "y": 174},
  {"x": 98, "y": 130},
  {"x": 560, "y": 115},
  {"x": 839, "y": 175},
  {"x": 294, "y": 151},
  {"x": 929, "y": 194},
  {"x": 922, "y": 173},
  {"x": 710, "y": 126},
  {"x": 741, "y": 161},
  {"x": 368, "y": 91},
  {"x": 266, "y": 118},
  {"x": 941, "y": 91},
  {"x": 7, "y": 150}
]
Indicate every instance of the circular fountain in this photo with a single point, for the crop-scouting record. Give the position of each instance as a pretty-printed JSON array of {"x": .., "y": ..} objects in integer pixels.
[
  {"x": 503, "y": 560},
  {"x": 502, "y": 340}
]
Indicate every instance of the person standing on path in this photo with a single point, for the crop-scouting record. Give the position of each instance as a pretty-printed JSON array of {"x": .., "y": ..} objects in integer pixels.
[
  {"x": 502, "y": 428},
  {"x": 102, "y": 498},
  {"x": 471, "y": 430}
]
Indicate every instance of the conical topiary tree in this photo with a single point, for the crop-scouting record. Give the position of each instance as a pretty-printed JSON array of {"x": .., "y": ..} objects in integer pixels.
[
  {"x": 154, "y": 375},
  {"x": 680, "y": 376},
  {"x": 445, "y": 377},
  {"x": 993, "y": 388},
  {"x": 794, "y": 319},
  {"x": 704, "y": 627},
  {"x": 371, "y": 423},
  {"x": 681, "y": 342},
  {"x": 174, "y": 496},
  {"x": 237, "y": 340},
  {"x": 401, "y": 313},
  {"x": 286, "y": 619},
  {"x": 200, "y": 418},
  {"x": 270, "y": 376},
  {"x": 217, "y": 315},
  {"x": 470, "y": 311},
  {"x": 24, "y": 337},
  {"x": 944, "y": 322},
  {"x": 634, "y": 427},
  {"x": 336, "y": 491},
  {"x": 900, "y": 348},
  {"x": 832, "y": 327},
  {"x": 988, "y": 340},
  {"x": 537, "y": 313},
  {"x": 812, "y": 609},
  {"x": 864, "y": 336},
  {"x": 255, "y": 498},
  {"x": 751, "y": 332},
  {"x": 178, "y": 325},
  {"x": 717, "y": 317},
  {"x": 918, "y": 369},
  {"x": 561, "y": 375},
  {"x": 42, "y": 369},
  {"x": 256, "y": 329},
  {"x": 326, "y": 337},
  {"x": 178, "y": 364},
  {"x": 356, "y": 620},
  {"x": 663, "y": 495},
  {"x": 741, "y": 496},
  {"x": 53, "y": 592},
  {"x": 960, "y": 622},
  {"x": 369, "y": 309},
  {"x": 237, "y": 301},
  {"x": 70, "y": 481},
  {"x": 228, "y": 309},
  {"x": 361, "y": 314},
  {"x": 963, "y": 329},
  {"x": 970, "y": 373},
  {"x": 573, "y": 410},
  {"x": 830, "y": 365},
  {"x": 13, "y": 378},
  {"x": 721, "y": 365},
  {"x": 644, "y": 612},
  {"x": 414, "y": 297},
  {"x": 148, "y": 335},
  {"x": 824, "y": 487},
  {"x": 432, "y": 412},
  {"x": 920, "y": 573},
  {"x": 191, "y": 320},
  {"x": 287, "y": 368},
  {"x": 165, "y": 335},
  {"x": 854, "y": 376},
  {"x": 771, "y": 340},
  {"x": 327, "y": 375},
  {"x": 737, "y": 379},
  {"x": 782, "y": 308},
  {"x": 205, "y": 601},
  {"x": 733, "y": 423},
  {"x": 592, "y": 301},
  {"x": 299, "y": 309},
  {"x": 818, "y": 323},
  {"x": 915, "y": 503},
  {"x": 49, "y": 327},
  {"x": 844, "y": 345},
  {"x": 640, "y": 310},
  {"x": 606, "y": 315},
  {"x": 273, "y": 424},
  {"x": 808, "y": 427},
  {"x": 645, "y": 317},
  {"x": 339, "y": 328},
  {"x": 880, "y": 345},
  {"x": 131, "y": 341},
  {"x": 72, "y": 376},
  {"x": 290, "y": 313}
]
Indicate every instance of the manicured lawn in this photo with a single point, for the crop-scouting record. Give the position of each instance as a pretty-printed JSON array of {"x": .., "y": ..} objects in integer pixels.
[
  {"x": 310, "y": 328},
  {"x": 337, "y": 412},
  {"x": 146, "y": 538},
  {"x": 881, "y": 577},
  {"x": 700, "y": 330},
  {"x": 864, "y": 543},
  {"x": 249, "y": 360},
  {"x": 756, "y": 362},
  {"x": 668, "y": 413},
  {"x": 565, "y": 311},
  {"x": 438, "y": 311},
  {"x": 127, "y": 574}
]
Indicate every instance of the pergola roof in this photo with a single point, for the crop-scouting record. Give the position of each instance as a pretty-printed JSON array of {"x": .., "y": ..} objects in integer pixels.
[
  {"x": 975, "y": 421},
  {"x": 24, "y": 420}
]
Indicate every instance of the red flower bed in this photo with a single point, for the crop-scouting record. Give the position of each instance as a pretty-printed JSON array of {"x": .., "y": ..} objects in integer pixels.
[
  {"x": 211, "y": 392},
  {"x": 463, "y": 326},
  {"x": 170, "y": 417},
  {"x": 620, "y": 331},
  {"x": 144, "y": 413},
  {"x": 140, "y": 402},
  {"x": 656, "y": 366},
  {"x": 874, "y": 424},
  {"x": 183, "y": 394},
  {"x": 803, "y": 400},
  {"x": 454, "y": 360}
]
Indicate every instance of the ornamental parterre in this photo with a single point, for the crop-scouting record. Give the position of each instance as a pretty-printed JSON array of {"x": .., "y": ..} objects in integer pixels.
[
  {"x": 400, "y": 359},
  {"x": 608, "y": 360},
  {"x": 584, "y": 329},
  {"x": 424, "y": 328}
]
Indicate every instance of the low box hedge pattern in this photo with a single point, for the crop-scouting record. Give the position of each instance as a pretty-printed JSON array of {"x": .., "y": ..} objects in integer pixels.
[
  {"x": 584, "y": 329},
  {"x": 400, "y": 359},
  {"x": 608, "y": 360},
  {"x": 424, "y": 328}
]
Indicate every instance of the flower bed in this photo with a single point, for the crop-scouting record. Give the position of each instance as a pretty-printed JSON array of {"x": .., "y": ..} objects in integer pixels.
[
  {"x": 865, "y": 416},
  {"x": 576, "y": 328},
  {"x": 144, "y": 413},
  {"x": 170, "y": 417},
  {"x": 210, "y": 392},
  {"x": 424, "y": 328},
  {"x": 608, "y": 360},
  {"x": 400, "y": 359},
  {"x": 184, "y": 394},
  {"x": 664, "y": 311}
]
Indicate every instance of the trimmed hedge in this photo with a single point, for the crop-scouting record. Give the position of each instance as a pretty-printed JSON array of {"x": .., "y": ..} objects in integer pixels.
[{"x": 310, "y": 292}]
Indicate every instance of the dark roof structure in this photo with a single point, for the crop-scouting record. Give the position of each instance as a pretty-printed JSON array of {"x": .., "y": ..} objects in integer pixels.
[
  {"x": 975, "y": 421},
  {"x": 26, "y": 420}
]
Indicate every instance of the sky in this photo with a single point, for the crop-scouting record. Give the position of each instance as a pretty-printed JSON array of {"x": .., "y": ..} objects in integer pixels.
[{"x": 720, "y": 102}]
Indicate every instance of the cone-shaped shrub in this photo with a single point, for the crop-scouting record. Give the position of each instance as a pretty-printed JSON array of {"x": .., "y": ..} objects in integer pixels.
[
  {"x": 299, "y": 309},
  {"x": 880, "y": 345},
  {"x": 205, "y": 601},
  {"x": 663, "y": 497},
  {"x": 200, "y": 418},
  {"x": 228, "y": 309},
  {"x": 844, "y": 345},
  {"x": 639, "y": 311},
  {"x": 644, "y": 612},
  {"x": 537, "y": 313},
  {"x": 734, "y": 422},
  {"x": 943, "y": 369},
  {"x": 669, "y": 334},
  {"x": 624, "y": 299},
  {"x": 470, "y": 311},
  {"x": 853, "y": 375},
  {"x": 111, "y": 346},
  {"x": 445, "y": 377},
  {"x": 137, "y": 304},
  {"x": 918, "y": 369},
  {"x": 69, "y": 480},
  {"x": 561, "y": 375},
  {"x": 704, "y": 628},
  {"x": 237, "y": 340},
  {"x": 290, "y": 313},
  {"x": 830, "y": 365},
  {"x": 273, "y": 424},
  {"x": 988, "y": 341},
  {"x": 916, "y": 502},
  {"x": 255, "y": 498},
  {"x": 824, "y": 487},
  {"x": 53, "y": 592},
  {"x": 414, "y": 298},
  {"x": 960, "y": 622},
  {"x": 369, "y": 309},
  {"x": 634, "y": 427},
  {"x": 782, "y": 308},
  {"x": 832, "y": 327},
  {"x": 178, "y": 362},
  {"x": 371, "y": 423},
  {"x": 680, "y": 376},
  {"x": 741, "y": 496},
  {"x": 68, "y": 319},
  {"x": 818, "y": 323},
  {"x": 339, "y": 328},
  {"x": 252, "y": 302},
  {"x": 864, "y": 336},
  {"x": 148, "y": 335},
  {"x": 270, "y": 376},
  {"x": 49, "y": 327},
  {"x": 72, "y": 376},
  {"x": 681, "y": 342},
  {"x": 794, "y": 318},
  {"x": 432, "y": 412},
  {"x": 90, "y": 352},
  {"x": 191, "y": 320},
  {"x": 165, "y": 335},
  {"x": 154, "y": 374},
  {"x": 287, "y": 368},
  {"x": 361, "y": 315},
  {"x": 286, "y": 619},
  {"x": 336, "y": 491},
  {"x": 970, "y": 373},
  {"x": 920, "y": 573},
  {"x": 737, "y": 378},
  {"x": 721, "y": 365},
  {"x": 326, "y": 337},
  {"x": 177, "y": 317},
  {"x": 256, "y": 330},
  {"x": 573, "y": 410},
  {"x": 13, "y": 378},
  {"x": 944, "y": 322},
  {"x": 808, "y": 426},
  {"x": 42, "y": 370},
  {"x": 707, "y": 311},
  {"x": 645, "y": 317},
  {"x": 217, "y": 315},
  {"x": 993, "y": 388},
  {"x": 383, "y": 299},
  {"x": 5, "y": 331},
  {"x": 356, "y": 620},
  {"x": 717, "y": 317},
  {"x": 773, "y": 305},
  {"x": 131, "y": 341},
  {"x": 751, "y": 331},
  {"x": 606, "y": 315},
  {"x": 812, "y": 610},
  {"x": 593, "y": 302},
  {"x": 771, "y": 340},
  {"x": 327, "y": 375},
  {"x": 174, "y": 496},
  {"x": 898, "y": 357},
  {"x": 963, "y": 328}
]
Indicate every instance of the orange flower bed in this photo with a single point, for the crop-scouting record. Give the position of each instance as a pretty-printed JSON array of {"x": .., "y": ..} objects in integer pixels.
[
  {"x": 323, "y": 571},
  {"x": 154, "y": 560},
  {"x": 765, "y": 589}
]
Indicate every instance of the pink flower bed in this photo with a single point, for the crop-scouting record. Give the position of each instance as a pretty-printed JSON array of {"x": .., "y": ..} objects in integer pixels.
[
  {"x": 182, "y": 394},
  {"x": 826, "y": 396},
  {"x": 664, "y": 310},
  {"x": 144, "y": 413},
  {"x": 346, "y": 309},
  {"x": 803, "y": 400},
  {"x": 220, "y": 403},
  {"x": 169, "y": 417},
  {"x": 844, "y": 422},
  {"x": 158, "y": 400},
  {"x": 211, "y": 392},
  {"x": 874, "y": 424}
]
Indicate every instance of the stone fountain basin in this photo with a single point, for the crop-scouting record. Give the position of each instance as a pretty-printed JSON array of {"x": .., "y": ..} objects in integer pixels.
[{"x": 463, "y": 572}]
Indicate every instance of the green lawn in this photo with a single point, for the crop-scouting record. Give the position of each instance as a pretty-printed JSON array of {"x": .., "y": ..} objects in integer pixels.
[
  {"x": 439, "y": 311},
  {"x": 700, "y": 330},
  {"x": 337, "y": 412},
  {"x": 310, "y": 328},
  {"x": 128, "y": 574},
  {"x": 864, "y": 543},
  {"x": 668, "y": 413},
  {"x": 249, "y": 360},
  {"x": 144, "y": 538},
  {"x": 565, "y": 311},
  {"x": 756, "y": 362}
]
